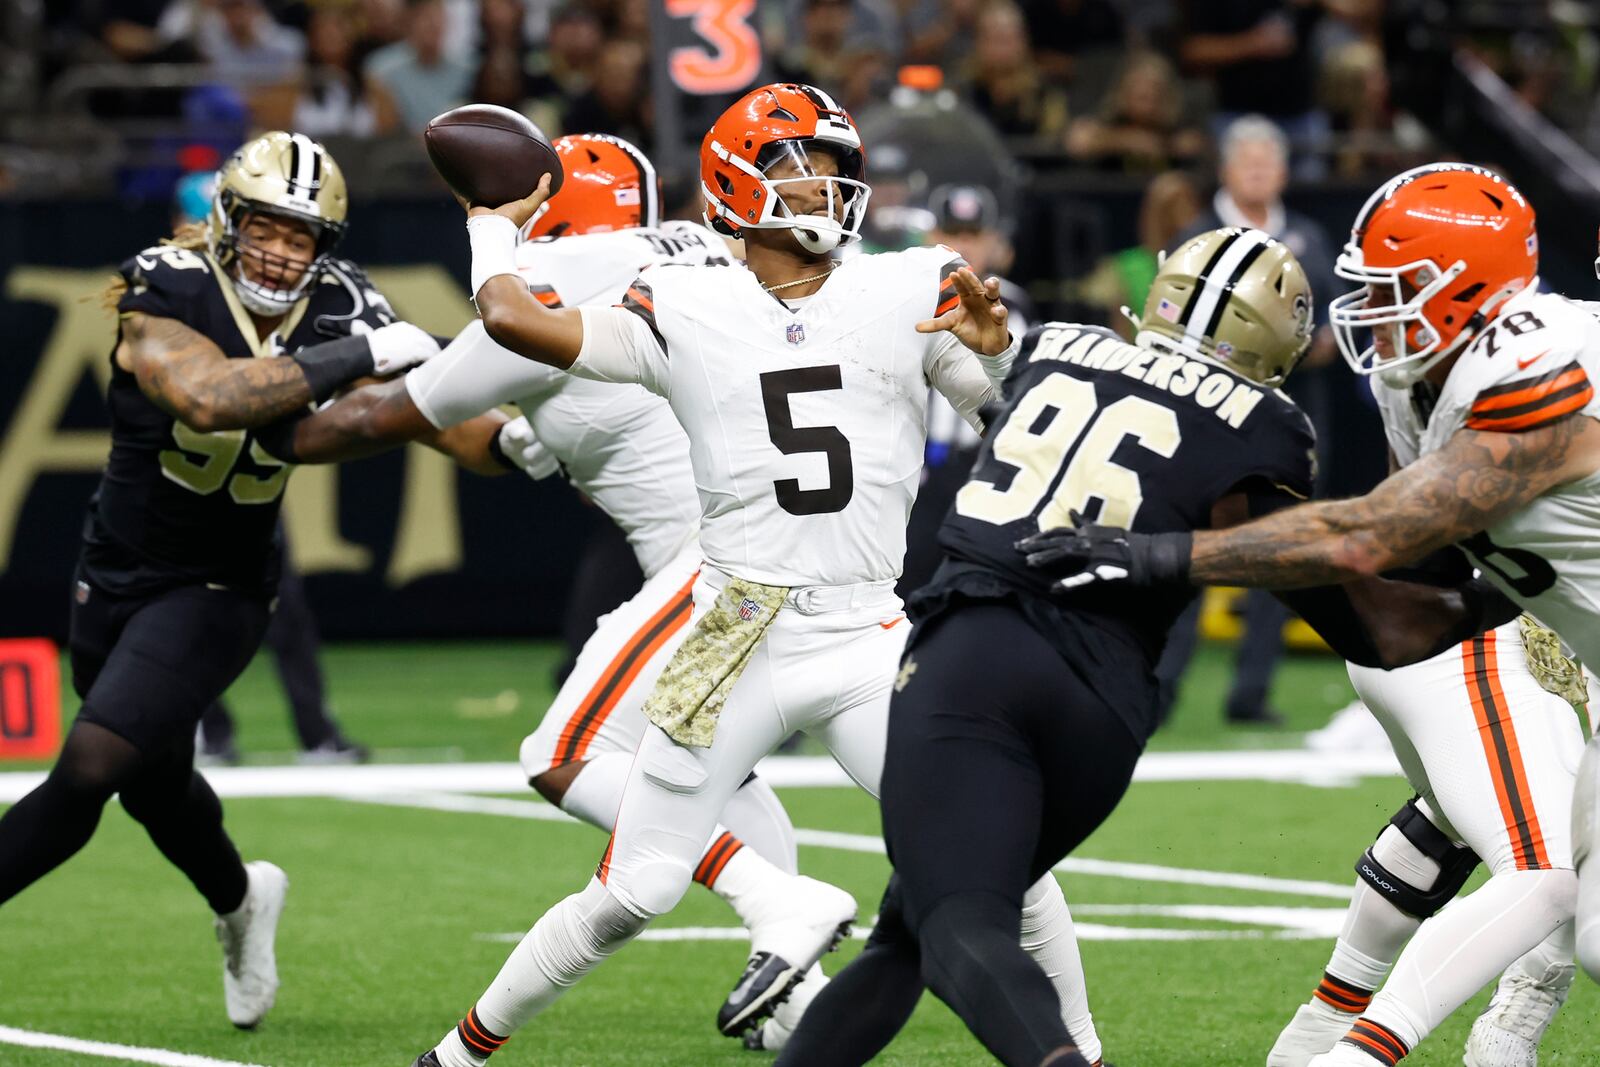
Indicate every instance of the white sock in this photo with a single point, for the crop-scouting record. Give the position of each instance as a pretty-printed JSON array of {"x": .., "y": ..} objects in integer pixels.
[
  {"x": 1465, "y": 946},
  {"x": 757, "y": 817},
  {"x": 595, "y": 794},
  {"x": 1374, "y": 933},
  {"x": 563, "y": 946},
  {"x": 1049, "y": 936},
  {"x": 747, "y": 881},
  {"x": 453, "y": 1053}
]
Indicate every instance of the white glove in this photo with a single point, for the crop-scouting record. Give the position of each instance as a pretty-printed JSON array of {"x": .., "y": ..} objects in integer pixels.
[
  {"x": 523, "y": 448},
  {"x": 400, "y": 345}
]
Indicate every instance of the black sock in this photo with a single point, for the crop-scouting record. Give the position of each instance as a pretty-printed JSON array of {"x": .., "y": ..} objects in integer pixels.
[
  {"x": 863, "y": 1007},
  {"x": 973, "y": 961},
  {"x": 183, "y": 816},
  {"x": 46, "y": 827}
]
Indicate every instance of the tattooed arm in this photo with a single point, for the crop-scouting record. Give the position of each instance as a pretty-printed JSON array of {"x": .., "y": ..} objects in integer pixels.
[
  {"x": 377, "y": 418},
  {"x": 1476, "y": 480},
  {"x": 188, "y": 376}
]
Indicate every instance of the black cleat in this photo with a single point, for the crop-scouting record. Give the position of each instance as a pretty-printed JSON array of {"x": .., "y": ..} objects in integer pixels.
[
  {"x": 767, "y": 982},
  {"x": 427, "y": 1059}
]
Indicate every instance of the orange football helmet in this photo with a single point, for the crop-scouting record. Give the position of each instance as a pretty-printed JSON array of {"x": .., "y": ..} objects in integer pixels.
[
  {"x": 609, "y": 185},
  {"x": 1437, "y": 251},
  {"x": 783, "y": 121}
]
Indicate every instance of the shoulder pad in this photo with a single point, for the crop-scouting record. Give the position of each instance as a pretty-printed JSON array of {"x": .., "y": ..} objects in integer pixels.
[{"x": 163, "y": 280}]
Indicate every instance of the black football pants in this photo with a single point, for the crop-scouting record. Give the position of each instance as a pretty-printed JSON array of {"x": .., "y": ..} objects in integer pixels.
[{"x": 1000, "y": 762}]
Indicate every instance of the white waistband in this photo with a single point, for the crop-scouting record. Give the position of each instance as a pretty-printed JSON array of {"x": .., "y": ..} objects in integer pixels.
[{"x": 822, "y": 599}]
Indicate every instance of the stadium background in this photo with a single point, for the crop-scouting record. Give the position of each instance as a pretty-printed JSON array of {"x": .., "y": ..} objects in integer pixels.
[
  {"x": 104, "y": 106},
  {"x": 107, "y": 105}
]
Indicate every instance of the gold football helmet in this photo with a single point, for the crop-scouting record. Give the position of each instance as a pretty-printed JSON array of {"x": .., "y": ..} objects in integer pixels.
[
  {"x": 1234, "y": 297},
  {"x": 287, "y": 175}
]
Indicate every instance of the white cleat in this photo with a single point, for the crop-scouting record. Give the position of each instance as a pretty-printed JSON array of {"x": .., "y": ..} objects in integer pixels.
[
  {"x": 773, "y": 1034},
  {"x": 249, "y": 964},
  {"x": 797, "y": 929},
  {"x": 1343, "y": 1056},
  {"x": 1316, "y": 1028},
  {"x": 1507, "y": 1033}
]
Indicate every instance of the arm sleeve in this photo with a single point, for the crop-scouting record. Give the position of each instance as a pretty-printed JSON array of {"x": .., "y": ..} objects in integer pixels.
[
  {"x": 969, "y": 381},
  {"x": 620, "y": 346},
  {"x": 472, "y": 375}
]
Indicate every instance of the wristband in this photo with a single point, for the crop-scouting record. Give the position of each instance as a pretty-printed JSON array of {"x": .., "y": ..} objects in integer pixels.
[
  {"x": 1168, "y": 558},
  {"x": 493, "y": 239},
  {"x": 334, "y": 363},
  {"x": 277, "y": 439}
]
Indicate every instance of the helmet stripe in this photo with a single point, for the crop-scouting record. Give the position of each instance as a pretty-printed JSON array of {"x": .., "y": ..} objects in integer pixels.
[
  {"x": 303, "y": 164},
  {"x": 1205, "y": 309},
  {"x": 1245, "y": 264},
  {"x": 1205, "y": 273}
]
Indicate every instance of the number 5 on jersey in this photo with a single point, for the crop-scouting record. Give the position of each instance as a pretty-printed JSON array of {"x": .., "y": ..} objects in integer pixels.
[{"x": 1058, "y": 438}]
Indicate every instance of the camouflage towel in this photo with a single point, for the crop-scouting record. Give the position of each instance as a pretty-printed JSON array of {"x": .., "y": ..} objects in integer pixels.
[
  {"x": 1552, "y": 668},
  {"x": 689, "y": 696}
]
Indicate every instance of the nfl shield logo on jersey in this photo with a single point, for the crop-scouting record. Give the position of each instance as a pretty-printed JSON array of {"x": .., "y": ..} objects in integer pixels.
[
  {"x": 796, "y": 333},
  {"x": 749, "y": 609}
]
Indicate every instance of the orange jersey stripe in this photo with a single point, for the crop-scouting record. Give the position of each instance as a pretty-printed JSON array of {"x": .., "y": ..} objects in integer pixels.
[
  {"x": 643, "y": 301},
  {"x": 1547, "y": 413},
  {"x": 607, "y": 690},
  {"x": 603, "y": 871},
  {"x": 1533, "y": 392},
  {"x": 1480, "y": 665},
  {"x": 946, "y": 305}
]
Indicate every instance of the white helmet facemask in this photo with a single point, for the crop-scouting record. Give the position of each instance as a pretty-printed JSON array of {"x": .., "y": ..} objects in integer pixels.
[
  {"x": 1354, "y": 316},
  {"x": 835, "y": 222}
]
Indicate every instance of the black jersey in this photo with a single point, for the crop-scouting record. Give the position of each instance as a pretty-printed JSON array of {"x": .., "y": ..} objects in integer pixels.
[
  {"x": 1128, "y": 437},
  {"x": 176, "y": 506}
]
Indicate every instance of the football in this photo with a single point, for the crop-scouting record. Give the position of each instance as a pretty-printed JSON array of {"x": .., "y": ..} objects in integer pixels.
[{"x": 489, "y": 154}]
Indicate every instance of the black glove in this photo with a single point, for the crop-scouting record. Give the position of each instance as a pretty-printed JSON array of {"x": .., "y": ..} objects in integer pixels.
[{"x": 1088, "y": 552}]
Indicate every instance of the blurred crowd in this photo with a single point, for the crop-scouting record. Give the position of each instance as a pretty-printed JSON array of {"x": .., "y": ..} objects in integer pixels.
[{"x": 1122, "y": 86}]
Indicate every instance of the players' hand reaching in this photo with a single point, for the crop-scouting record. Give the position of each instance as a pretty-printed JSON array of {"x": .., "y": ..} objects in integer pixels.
[
  {"x": 979, "y": 319},
  {"x": 1087, "y": 552},
  {"x": 518, "y": 211},
  {"x": 400, "y": 345}
]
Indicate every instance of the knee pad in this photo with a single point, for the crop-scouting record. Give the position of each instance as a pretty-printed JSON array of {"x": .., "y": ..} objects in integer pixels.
[
  {"x": 652, "y": 888},
  {"x": 1396, "y": 864}
]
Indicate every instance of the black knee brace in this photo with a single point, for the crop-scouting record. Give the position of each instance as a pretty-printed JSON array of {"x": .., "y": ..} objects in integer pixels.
[{"x": 1456, "y": 864}]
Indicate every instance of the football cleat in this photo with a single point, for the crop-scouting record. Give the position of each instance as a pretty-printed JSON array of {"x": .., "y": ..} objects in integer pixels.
[
  {"x": 1315, "y": 1028},
  {"x": 773, "y": 1034},
  {"x": 249, "y": 963},
  {"x": 427, "y": 1059},
  {"x": 1507, "y": 1033},
  {"x": 802, "y": 927}
]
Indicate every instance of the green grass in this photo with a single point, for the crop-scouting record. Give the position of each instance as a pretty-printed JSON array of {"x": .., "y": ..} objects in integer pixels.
[{"x": 381, "y": 947}]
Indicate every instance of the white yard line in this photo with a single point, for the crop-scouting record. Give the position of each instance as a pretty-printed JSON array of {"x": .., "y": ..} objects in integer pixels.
[
  {"x": 867, "y": 843},
  {"x": 34, "y": 1039},
  {"x": 1292, "y": 765},
  {"x": 1282, "y": 924}
]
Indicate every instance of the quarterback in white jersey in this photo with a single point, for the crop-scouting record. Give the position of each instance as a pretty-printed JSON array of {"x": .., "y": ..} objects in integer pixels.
[
  {"x": 621, "y": 447},
  {"x": 802, "y": 384}
]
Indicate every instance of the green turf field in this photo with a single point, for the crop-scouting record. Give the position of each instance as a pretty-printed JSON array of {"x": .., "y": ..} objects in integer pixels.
[{"x": 398, "y": 916}]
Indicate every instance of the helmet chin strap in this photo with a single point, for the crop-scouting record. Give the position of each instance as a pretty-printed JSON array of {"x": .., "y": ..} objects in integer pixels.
[{"x": 818, "y": 242}]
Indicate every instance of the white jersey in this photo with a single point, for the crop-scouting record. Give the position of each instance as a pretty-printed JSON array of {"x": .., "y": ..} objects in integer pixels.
[
  {"x": 806, "y": 424},
  {"x": 1536, "y": 363},
  {"x": 618, "y": 445}
]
